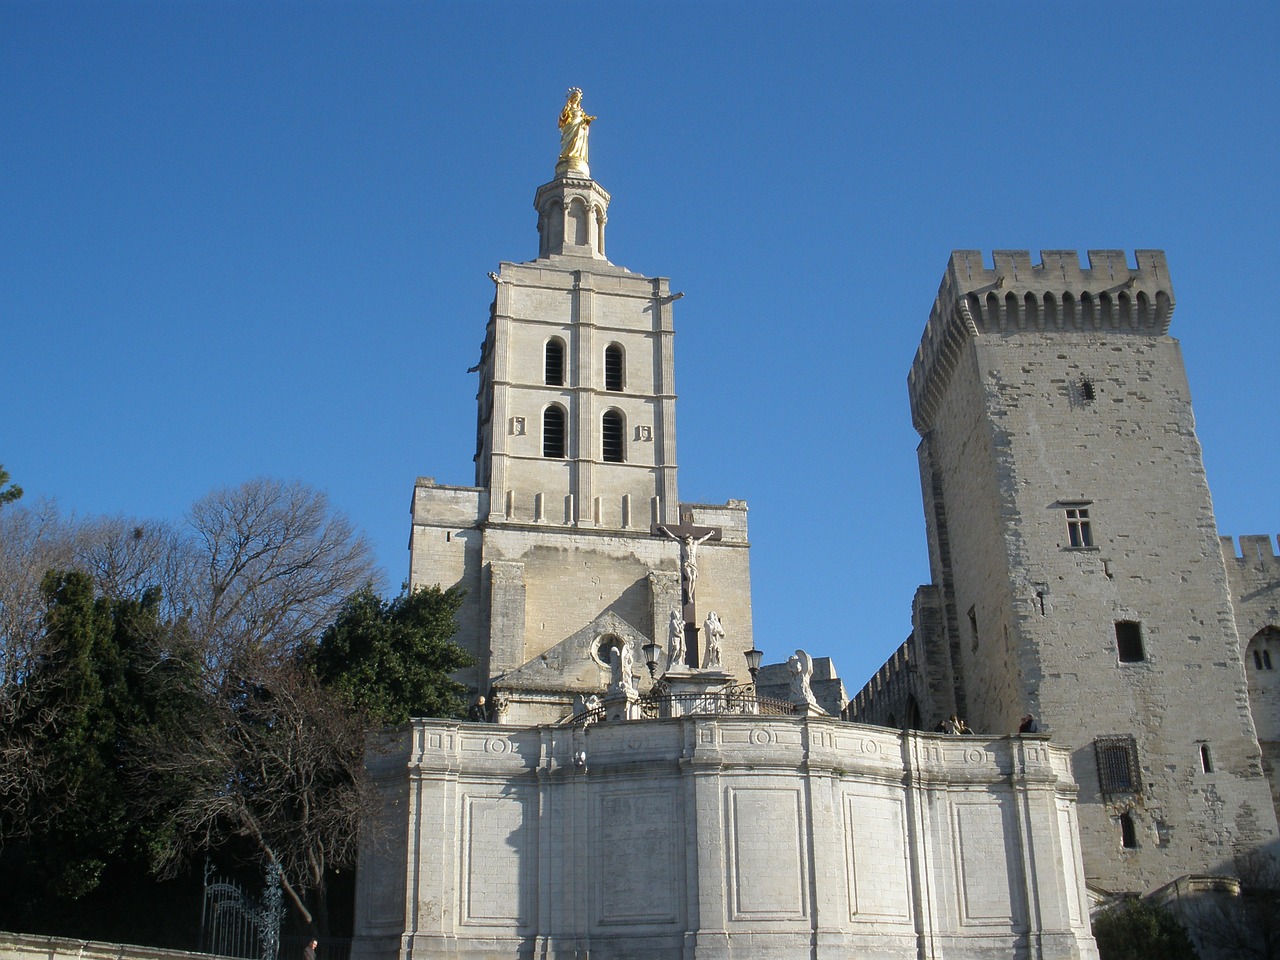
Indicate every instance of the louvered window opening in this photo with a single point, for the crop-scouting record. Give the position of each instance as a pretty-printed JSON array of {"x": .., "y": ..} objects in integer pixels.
[
  {"x": 613, "y": 440},
  {"x": 554, "y": 368},
  {"x": 553, "y": 433},
  {"x": 613, "y": 367}
]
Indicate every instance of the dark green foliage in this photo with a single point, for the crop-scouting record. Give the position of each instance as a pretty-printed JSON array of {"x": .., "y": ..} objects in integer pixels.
[
  {"x": 1141, "y": 930},
  {"x": 109, "y": 676},
  {"x": 393, "y": 657},
  {"x": 10, "y": 493}
]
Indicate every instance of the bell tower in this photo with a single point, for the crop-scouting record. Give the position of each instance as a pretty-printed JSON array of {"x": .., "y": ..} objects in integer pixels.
[{"x": 558, "y": 543}]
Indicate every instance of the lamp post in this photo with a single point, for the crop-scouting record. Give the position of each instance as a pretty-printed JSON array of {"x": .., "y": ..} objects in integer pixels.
[
  {"x": 651, "y": 658},
  {"x": 754, "y": 657}
]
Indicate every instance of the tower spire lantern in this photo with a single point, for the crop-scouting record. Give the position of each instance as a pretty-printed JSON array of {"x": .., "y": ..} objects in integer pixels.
[{"x": 572, "y": 207}]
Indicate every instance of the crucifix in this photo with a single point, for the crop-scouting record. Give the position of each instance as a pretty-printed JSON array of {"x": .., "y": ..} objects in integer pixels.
[{"x": 690, "y": 537}]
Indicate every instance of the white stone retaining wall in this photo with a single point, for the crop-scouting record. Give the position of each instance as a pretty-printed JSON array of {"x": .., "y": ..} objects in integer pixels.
[{"x": 719, "y": 837}]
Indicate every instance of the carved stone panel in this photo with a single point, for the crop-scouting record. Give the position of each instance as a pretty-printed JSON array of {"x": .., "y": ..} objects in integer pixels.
[
  {"x": 876, "y": 858},
  {"x": 767, "y": 854},
  {"x": 499, "y": 868}
]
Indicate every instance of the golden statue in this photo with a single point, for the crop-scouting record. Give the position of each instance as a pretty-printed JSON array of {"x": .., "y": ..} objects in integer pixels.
[{"x": 575, "y": 124}]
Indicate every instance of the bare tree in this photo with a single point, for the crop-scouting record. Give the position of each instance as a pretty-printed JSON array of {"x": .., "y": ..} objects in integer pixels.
[
  {"x": 281, "y": 767},
  {"x": 275, "y": 563},
  {"x": 33, "y": 540},
  {"x": 1247, "y": 926}
]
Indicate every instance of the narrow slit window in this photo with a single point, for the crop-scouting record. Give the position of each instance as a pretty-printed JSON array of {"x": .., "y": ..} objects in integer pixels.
[
  {"x": 1206, "y": 761},
  {"x": 613, "y": 441},
  {"x": 613, "y": 367},
  {"x": 1129, "y": 641},
  {"x": 1079, "y": 528},
  {"x": 553, "y": 433},
  {"x": 1087, "y": 394},
  {"x": 1128, "y": 835},
  {"x": 553, "y": 369}
]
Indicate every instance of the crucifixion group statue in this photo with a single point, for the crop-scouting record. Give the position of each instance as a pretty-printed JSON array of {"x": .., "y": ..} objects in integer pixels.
[{"x": 685, "y": 620}]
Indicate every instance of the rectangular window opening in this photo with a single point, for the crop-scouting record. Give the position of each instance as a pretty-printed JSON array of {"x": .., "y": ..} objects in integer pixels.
[{"x": 1129, "y": 641}]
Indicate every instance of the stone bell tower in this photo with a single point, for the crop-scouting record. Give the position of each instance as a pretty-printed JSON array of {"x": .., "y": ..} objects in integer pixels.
[{"x": 557, "y": 543}]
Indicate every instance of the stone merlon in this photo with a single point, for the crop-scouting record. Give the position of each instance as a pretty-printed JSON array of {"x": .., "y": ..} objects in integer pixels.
[{"x": 1016, "y": 295}]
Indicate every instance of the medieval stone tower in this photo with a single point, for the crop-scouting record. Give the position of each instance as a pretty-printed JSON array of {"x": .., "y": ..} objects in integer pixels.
[
  {"x": 567, "y": 543},
  {"x": 1077, "y": 572}
]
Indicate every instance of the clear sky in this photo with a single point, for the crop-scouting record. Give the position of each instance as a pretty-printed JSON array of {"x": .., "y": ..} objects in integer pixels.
[{"x": 252, "y": 238}]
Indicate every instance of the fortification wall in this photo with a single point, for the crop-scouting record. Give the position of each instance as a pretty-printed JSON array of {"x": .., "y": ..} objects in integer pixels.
[{"x": 706, "y": 838}]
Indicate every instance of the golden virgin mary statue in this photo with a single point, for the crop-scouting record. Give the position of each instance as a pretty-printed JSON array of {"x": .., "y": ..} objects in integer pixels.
[{"x": 575, "y": 125}]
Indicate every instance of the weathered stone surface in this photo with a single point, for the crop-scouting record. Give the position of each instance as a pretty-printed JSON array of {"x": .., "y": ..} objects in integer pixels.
[
  {"x": 1041, "y": 390},
  {"x": 717, "y": 837}
]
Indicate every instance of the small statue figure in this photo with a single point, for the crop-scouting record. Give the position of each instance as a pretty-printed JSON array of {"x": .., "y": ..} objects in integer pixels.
[
  {"x": 713, "y": 634},
  {"x": 575, "y": 125},
  {"x": 801, "y": 667},
  {"x": 621, "y": 662},
  {"x": 675, "y": 640}
]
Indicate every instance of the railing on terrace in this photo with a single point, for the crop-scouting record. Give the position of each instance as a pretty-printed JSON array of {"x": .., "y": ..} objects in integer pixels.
[{"x": 661, "y": 704}]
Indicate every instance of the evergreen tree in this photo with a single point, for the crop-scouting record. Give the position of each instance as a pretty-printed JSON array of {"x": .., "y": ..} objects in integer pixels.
[
  {"x": 109, "y": 676},
  {"x": 10, "y": 493},
  {"x": 394, "y": 657},
  {"x": 1141, "y": 930}
]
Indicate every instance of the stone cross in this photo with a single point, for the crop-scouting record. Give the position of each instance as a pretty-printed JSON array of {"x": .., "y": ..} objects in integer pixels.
[{"x": 690, "y": 537}]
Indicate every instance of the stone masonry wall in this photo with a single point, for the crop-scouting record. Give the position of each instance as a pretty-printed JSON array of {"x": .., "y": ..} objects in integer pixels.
[
  {"x": 1254, "y": 576},
  {"x": 1040, "y": 388},
  {"x": 709, "y": 838}
]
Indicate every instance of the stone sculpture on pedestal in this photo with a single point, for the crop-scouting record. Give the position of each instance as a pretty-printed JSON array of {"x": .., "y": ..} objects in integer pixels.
[
  {"x": 675, "y": 641},
  {"x": 801, "y": 667},
  {"x": 575, "y": 126},
  {"x": 713, "y": 637}
]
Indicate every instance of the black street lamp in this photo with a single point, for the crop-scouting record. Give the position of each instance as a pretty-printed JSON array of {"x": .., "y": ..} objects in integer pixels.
[
  {"x": 754, "y": 657},
  {"x": 651, "y": 658}
]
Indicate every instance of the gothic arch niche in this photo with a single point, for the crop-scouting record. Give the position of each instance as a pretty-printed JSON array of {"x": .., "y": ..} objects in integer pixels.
[
  {"x": 579, "y": 234},
  {"x": 914, "y": 720},
  {"x": 1262, "y": 667}
]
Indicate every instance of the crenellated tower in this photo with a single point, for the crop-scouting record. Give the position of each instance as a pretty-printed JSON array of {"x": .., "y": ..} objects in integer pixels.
[{"x": 1076, "y": 569}]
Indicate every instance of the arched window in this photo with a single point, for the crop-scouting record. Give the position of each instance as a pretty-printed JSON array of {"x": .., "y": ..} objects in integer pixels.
[
  {"x": 1258, "y": 647},
  {"x": 553, "y": 368},
  {"x": 613, "y": 442},
  {"x": 1206, "y": 761},
  {"x": 553, "y": 445},
  {"x": 613, "y": 379}
]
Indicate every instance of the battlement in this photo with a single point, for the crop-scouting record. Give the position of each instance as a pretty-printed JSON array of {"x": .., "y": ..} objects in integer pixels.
[
  {"x": 1054, "y": 295},
  {"x": 1255, "y": 550}
]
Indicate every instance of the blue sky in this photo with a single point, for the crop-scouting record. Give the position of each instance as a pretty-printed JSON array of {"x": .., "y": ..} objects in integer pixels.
[{"x": 252, "y": 238}]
